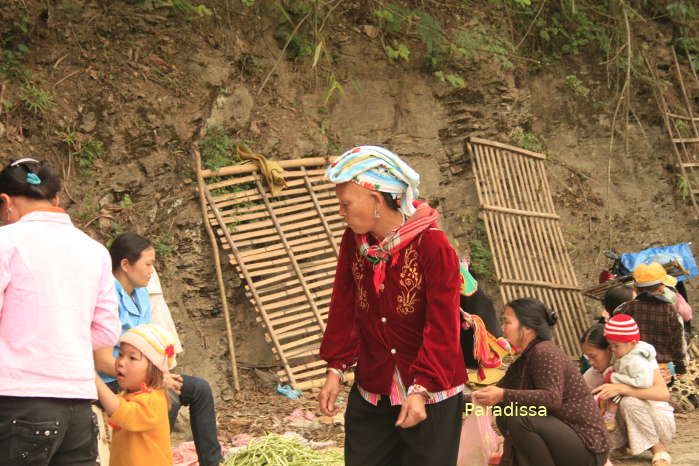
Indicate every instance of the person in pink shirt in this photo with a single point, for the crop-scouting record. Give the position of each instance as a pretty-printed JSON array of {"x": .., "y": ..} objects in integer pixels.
[{"x": 57, "y": 305}]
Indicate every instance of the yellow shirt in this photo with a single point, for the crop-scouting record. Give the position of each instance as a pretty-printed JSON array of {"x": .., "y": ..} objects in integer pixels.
[{"x": 141, "y": 430}]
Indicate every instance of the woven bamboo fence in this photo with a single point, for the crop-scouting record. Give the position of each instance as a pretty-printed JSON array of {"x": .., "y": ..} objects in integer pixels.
[
  {"x": 286, "y": 249},
  {"x": 524, "y": 232}
]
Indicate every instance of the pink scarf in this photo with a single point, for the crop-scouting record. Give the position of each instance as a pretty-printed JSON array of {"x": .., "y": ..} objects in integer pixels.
[{"x": 387, "y": 250}]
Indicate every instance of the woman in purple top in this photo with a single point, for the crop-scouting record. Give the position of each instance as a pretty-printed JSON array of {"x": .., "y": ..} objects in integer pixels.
[{"x": 554, "y": 418}]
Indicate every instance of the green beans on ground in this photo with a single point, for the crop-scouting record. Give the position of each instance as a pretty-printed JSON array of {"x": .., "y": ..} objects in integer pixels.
[{"x": 278, "y": 450}]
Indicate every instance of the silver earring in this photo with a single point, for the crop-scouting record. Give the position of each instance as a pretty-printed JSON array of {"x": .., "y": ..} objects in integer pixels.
[{"x": 377, "y": 214}]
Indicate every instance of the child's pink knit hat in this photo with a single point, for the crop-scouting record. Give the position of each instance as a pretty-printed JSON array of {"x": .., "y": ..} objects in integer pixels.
[
  {"x": 623, "y": 328},
  {"x": 156, "y": 343}
]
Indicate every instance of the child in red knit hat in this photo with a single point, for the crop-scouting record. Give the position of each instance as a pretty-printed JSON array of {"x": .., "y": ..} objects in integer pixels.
[{"x": 634, "y": 360}]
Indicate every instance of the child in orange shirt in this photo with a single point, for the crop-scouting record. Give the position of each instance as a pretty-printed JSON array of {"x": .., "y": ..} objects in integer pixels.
[{"x": 138, "y": 414}]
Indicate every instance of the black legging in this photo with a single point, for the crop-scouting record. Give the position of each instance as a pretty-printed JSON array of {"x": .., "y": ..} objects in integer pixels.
[{"x": 546, "y": 441}]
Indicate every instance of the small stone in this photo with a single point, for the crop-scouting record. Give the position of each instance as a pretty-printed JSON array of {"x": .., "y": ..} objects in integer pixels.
[
  {"x": 89, "y": 122},
  {"x": 371, "y": 31}
]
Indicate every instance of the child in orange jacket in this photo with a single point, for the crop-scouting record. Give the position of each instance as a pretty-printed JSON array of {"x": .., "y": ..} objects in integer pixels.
[{"x": 138, "y": 414}]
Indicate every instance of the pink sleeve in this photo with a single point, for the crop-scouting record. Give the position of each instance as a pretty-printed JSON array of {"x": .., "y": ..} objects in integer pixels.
[
  {"x": 4, "y": 274},
  {"x": 682, "y": 306},
  {"x": 106, "y": 327}
]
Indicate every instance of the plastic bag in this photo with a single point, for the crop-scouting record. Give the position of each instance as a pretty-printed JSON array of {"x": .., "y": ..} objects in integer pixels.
[
  {"x": 681, "y": 252},
  {"x": 479, "y": 444}
]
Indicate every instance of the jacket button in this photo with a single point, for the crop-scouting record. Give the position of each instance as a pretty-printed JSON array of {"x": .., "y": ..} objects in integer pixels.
[
  {"x": 381, "y": 287},
  {"x": 383, "y": 319},
  {"x": 393, "y": 351}
]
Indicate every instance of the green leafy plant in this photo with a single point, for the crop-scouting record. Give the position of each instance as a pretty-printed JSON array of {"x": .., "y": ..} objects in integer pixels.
[
  {"x": 398, "y": 51},
  {"x": 681, "y": 10},
  {"x": 13, "y": 50},
  {"x": 392, "y": 18},
  {"x": 453, "y": 79},
  {"x": 115, "y": 230},
  {"x": 126, "y": 200},
  {"x": 479, "y": 40},
  {"x": 162, "y": 248},
  {"x": 577, "y": 87},
  {"x": 36, "y": 99},
  {"x": 218, "y": 149},
  {"x": 184, "y": 6},
  {"x": 528, "y": 140},
  {"x": 83, "y": 150},
  {"x": 334, "y": 86},
  {"x": 682, "y": 187},
  {"x": 481, "y": 259}
]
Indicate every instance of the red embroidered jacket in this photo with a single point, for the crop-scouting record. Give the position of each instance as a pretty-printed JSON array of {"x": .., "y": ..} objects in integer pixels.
[{"x": 412, "y": 324}]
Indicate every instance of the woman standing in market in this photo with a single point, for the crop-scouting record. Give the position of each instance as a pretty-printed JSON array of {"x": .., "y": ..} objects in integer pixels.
[
  {"x": 57, "y": 305},
  {"x": 395, "y": 313}
]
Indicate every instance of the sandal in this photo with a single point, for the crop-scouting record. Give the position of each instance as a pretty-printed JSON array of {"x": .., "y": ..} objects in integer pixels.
[{"x": 661, "y": 459}]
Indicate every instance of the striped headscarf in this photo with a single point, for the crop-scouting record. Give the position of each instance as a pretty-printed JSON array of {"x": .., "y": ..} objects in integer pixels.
[{"x": 377, "y": 169}]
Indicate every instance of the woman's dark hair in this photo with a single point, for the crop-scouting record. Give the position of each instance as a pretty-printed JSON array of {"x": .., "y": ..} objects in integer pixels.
[
  {"x": 390, "y": 200},
  {"x": 29, "y": 178},
  {"x": 648, "y": 289},
  {"x": 127, "y": 246},
  {"x": 595, "y": 337},
  {"x": 533, "y": 314},
  {"x": 615, "y": 297}
]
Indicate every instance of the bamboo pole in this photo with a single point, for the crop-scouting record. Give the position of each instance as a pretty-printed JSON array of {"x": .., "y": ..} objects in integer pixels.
[
  {"x": 500, "y": 145},
  {"x": 682, "y": 117},
  {"x": 248, "y": 168},
  {"x": 320, "y": 211},
  {"x": 256, "y": 297},
  {"x": 686, "y": 97},
  {"x": 219, "y": 272}
]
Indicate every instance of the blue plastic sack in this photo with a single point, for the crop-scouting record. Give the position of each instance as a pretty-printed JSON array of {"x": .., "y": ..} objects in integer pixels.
[
  {"x": 288, "y": 392},
  {"x": 680, "y": 252}
]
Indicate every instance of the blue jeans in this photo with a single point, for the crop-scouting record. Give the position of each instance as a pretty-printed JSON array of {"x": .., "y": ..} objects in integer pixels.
[{"x": 196, "y": 393}]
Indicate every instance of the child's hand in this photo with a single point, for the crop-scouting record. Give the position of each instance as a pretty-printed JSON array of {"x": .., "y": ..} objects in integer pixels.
[
  {"x": 109, "y": 400},
  {"x": 173, "y": 382},
  {"x": 610, "y": 390}
]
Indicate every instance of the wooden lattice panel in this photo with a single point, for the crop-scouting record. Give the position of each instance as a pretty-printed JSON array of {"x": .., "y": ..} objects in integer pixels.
[
  {"x": 682, "y": 125},
  {"x": 286, "y": 249},
  {"x": 525, "y": 235}
]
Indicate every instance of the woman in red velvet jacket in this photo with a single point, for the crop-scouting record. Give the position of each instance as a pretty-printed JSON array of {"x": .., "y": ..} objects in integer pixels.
[{"x": 395, "y": 313}]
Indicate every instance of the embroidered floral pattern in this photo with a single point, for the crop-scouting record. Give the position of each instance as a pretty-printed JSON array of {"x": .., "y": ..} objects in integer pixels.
[
  {"x": 358, "y": 274},
  {"x": 410, "y": 283}
]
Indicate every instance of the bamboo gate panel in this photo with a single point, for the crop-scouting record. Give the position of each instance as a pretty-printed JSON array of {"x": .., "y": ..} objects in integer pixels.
[
  {"x": 682, "y": 125},
  {"x": 524, "y": 233},
  {"x": 286, "y": 249}
]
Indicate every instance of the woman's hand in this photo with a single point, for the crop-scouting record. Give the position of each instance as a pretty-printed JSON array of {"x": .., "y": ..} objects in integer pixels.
[
  {"x": 328, "y": 394},
  {"x": 610, "y": 390},
  {"x": 666, "y": 374},
  {"x": 412, "y": 412},
  {"x": 489, "y": 396},
  {"x": 173, "y": 382}
]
